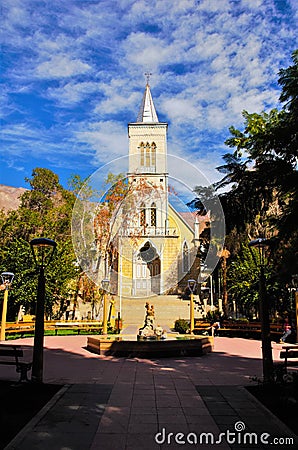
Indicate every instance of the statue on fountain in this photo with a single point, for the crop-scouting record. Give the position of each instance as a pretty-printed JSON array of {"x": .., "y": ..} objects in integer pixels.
[{"x": 149, "y": 330}]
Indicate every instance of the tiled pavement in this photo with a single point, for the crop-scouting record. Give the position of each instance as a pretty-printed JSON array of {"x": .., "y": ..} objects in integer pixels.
[{"x": 134, "y": 404}]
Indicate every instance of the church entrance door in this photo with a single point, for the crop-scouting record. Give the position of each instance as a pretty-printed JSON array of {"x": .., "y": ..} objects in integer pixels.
[{"x": 146, "y": 271}]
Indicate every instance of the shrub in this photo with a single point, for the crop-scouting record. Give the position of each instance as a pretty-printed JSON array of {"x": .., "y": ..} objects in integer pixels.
[{"x": 181, "y": 326}]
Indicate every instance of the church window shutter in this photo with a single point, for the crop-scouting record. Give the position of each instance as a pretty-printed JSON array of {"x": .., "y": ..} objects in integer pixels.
[
  {"x": 153, "y": 154},
  {"x": 153, "y": 215},
  {"x": 142, "y": 154},
  {"x": 148, "y": 155}
]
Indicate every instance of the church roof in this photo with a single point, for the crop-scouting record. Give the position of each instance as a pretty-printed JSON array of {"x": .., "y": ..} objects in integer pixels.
[{"x": 147, "y": 111}]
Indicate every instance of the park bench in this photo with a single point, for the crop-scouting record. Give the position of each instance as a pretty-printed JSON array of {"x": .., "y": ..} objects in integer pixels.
[
  {"x": 289, "y": 352},
  {"x": 20, "y": 329},
  {"x": 77, "y": 327},
  {"x": 248, "y": 329},
  {"x": 245, "y": 329},
  {"x": 10, "y": 355},
  {"x": 23, "y": 329},
  {"x": 201, "y": 327}
]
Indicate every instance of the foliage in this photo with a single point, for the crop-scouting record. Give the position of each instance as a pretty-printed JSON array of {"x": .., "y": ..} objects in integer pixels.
[
  {"x": 181, "y": 326},
  {"x": 214, "y": 316},
  {"x": 263, "y": 165},
  {"x": 45, "y": 210},
  {"x": 262, "y": 200}
]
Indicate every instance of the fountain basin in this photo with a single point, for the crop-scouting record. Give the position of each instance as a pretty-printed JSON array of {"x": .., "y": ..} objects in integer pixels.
[{"x": 183, "y": 346}]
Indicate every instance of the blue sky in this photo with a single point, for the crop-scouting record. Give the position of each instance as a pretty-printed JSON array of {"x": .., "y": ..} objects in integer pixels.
[{"x": 73, "y": 77}]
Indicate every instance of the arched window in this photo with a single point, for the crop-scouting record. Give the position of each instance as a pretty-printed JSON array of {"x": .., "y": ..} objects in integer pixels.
[
  {"x": 153, "y": 215},
  {"x": 142, "y": 153},
  {"x": 143, "y": 215},
  {"x": 148, "y": 155},
  {"x": 185, "y": 261},
  {"x": 153, "y": 154}
]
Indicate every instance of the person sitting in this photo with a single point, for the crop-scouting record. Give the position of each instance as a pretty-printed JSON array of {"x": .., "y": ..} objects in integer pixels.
[
  {"x": 216, "y": 327},
  {"x": 287, "y": 331}
]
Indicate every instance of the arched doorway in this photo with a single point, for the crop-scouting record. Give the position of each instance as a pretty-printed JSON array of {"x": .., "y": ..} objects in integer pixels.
[{"x": 146, "y": 271}]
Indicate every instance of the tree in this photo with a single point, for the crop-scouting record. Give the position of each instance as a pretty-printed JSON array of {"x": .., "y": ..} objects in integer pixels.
[
  {"x": 263, "y": 165},
  {"x": 45, "y": 210},
  {"x": 262, "y": 174}
]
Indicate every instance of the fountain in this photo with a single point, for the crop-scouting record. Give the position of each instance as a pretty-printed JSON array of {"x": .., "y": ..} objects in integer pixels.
[
  {"x": 150, "y": 342},
  {"x": 149, "y": 330}
]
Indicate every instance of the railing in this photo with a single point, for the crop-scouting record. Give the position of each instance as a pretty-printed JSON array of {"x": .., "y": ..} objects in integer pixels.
[
  {"x": 147, "y": 169},
  {"x": 148, "y": 231}
]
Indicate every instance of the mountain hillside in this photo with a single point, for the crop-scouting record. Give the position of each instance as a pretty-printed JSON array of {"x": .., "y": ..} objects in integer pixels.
[{"x": 10, "y": 197}]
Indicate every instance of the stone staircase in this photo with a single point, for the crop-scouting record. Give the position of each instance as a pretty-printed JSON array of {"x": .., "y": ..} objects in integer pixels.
[{"x": 168, "y": 308}]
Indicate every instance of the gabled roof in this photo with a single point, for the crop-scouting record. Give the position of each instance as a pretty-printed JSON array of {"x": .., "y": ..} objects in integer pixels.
[{"x": 147, "y": 111}]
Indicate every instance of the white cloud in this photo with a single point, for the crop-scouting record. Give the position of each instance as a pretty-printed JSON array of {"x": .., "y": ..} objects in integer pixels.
[
  {"x": 72, "y": 92},
  {"x": 108, "y": 140},
  {"x": 210, "y": 59},
  {"x": 61, "y": 66}
]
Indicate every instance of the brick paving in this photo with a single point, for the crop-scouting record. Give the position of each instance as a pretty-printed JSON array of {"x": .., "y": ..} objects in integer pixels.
[{"x": 135, "y": 404}]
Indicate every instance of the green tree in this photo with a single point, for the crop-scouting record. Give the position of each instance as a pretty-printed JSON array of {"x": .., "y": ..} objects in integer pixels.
[
  {"x": 45, "y": 210},
  {"x": 263, "y": 181}
]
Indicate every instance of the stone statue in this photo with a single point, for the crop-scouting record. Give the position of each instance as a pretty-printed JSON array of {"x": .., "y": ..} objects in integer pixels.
[{"x": 149, "y": 330}]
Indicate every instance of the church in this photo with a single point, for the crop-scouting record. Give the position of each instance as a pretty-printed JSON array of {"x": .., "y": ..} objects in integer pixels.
[{"x": 157, "y": 249}]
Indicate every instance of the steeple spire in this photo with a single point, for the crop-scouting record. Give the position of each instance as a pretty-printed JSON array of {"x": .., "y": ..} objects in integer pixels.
[{"x": 147, "y": 111}]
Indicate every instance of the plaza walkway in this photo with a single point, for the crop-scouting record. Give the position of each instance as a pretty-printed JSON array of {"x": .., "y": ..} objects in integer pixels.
[{"x": 109, "y": 403}]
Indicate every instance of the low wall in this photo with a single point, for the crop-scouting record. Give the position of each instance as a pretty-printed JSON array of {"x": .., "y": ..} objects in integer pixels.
[{"x": 155, "y": 349}]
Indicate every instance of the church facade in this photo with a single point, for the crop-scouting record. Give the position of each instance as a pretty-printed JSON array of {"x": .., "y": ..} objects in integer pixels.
[{"x": 157, "y": 249}]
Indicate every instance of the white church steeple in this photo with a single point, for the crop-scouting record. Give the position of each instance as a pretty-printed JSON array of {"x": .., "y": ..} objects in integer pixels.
[
  {"x": 147, "y": 140},
  {"x": 147, "y": 113}
]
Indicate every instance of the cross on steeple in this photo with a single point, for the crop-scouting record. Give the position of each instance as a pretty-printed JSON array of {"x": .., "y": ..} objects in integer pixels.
[{"x": 147, "y": 75}]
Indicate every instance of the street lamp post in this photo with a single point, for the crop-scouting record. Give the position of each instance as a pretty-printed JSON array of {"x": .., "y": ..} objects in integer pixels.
[
  {"x": 295, "y": 285},
  {"x": 191, "y": 286},
  {"x": 105, "y": 286},
  {"x": 261, "y": 244},
  {"x": 43, "y": 250},
  {"x": 7, "y": 278}
]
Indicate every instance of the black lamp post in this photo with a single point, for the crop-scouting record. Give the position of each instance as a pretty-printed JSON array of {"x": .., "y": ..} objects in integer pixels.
[
  {"x": 43, "y": 250},
  {"x": 261, "y": 244}
]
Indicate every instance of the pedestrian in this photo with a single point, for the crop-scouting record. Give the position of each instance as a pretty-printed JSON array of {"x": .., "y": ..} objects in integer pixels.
[
  {"x": 287, "y": 331},
  {"x": 216, "y": 327}
]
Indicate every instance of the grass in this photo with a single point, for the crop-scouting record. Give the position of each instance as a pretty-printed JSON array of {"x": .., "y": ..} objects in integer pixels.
[
  {"x": 20, "y": 402},
  {"x": 52, "y": 333}
]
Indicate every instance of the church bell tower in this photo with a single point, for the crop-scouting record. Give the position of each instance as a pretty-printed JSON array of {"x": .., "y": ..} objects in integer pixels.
[{"x": 148, "y": 161}]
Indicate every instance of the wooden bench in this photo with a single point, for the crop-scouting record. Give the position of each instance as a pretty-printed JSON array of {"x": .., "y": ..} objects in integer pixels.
[
  {"x": 23, "y": 329},
  {"x": 201, "y": 327},
  {"x": 289, "y": 352},
  {"x": 77, "y": 327},
  {"x": 9, "y": 355},
  {"x": 245, "y": 329},
  {"x": 249, "y": 329}
]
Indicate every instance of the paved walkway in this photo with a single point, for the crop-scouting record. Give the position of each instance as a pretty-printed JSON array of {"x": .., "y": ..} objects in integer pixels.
[{"x": 134, "y": 404}]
